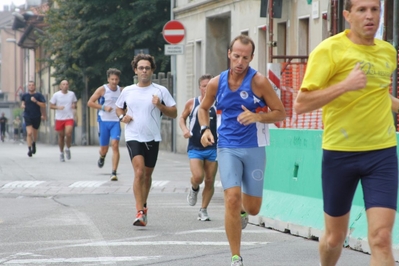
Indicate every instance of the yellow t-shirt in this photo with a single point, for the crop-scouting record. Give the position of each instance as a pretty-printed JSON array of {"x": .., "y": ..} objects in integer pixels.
[{"x": 357, "y": 120}]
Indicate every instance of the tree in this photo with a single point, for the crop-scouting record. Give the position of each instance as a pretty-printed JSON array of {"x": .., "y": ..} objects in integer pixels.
[{"x": 86, "y": 37}]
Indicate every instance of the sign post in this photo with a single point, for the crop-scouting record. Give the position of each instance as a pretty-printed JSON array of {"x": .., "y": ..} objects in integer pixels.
[{"x": 173, "y": 32}]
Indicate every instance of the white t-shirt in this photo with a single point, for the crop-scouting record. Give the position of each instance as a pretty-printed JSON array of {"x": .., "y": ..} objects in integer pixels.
[
  {"x": 146, "y": 124},
  {"x": 66, "y": 100}
]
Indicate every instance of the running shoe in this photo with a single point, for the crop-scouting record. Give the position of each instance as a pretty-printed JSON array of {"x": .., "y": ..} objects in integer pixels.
[
  {"x": 114, "y": 176},
  {"x": 244, "y": 221},
  {"x": 203, "y": 215},
  {"x": 141, "y": 219},
  {"x": 68, "y": 154},
  {"x": 192, "y": 197},
  {"x": 100, "y": 162},
  {"x": 236, "y": 261},
  {"x": 30, "y": 153},
  {"x": 62, "y": 158},
  {"x": 33, "y": 147}
]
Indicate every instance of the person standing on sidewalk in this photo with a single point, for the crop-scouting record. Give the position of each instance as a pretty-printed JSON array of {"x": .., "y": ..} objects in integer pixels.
[
  {"x": 203, "y": 164},
  {"x": 104, "y": 99},
  {"x": 17, "y": 125},
  {"x": 141, "y": 107},
  {"x": 241, "y": 94},
  {"x": 3, "y": 126},
  {"x": 63, "y": 102},
  {"x": 349, "y": 75},
  {"x": 32, "y": 102}
]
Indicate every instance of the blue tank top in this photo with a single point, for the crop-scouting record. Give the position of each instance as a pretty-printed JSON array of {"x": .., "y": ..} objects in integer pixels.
[
  {"x": 230, "y": 132},
  {"x": 194, "y": 143}
]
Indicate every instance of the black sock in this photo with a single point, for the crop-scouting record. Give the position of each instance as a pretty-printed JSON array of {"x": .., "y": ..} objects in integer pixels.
[
  {"x": 29, "y": 148},
  {"x": 114, "y": 172},
  {"x": 145, "y": 205},
  {"x": 195, "y": 189}
]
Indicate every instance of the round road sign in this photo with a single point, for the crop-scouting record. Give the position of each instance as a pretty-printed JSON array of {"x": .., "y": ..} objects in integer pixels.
[{"x": 173, "y": 32}]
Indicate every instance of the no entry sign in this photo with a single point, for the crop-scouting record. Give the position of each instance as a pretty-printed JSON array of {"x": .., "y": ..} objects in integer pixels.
[{"x": 173, "y": 32}]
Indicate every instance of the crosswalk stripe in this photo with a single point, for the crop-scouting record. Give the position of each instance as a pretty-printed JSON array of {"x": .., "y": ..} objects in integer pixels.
[
  {"x": 159, "y": 183},
  {"x": 167, "y": 243},
  {"x": 218, "y": 184},
  {"x": 88, "y": 184},
  {"x": 16, "y": 184},
  {"x": 79, "y": 260}
]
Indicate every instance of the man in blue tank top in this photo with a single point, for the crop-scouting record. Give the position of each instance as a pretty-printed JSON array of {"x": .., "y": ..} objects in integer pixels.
[
  {"x": 241, "y": 94},
  {"x": 203, "y": 162}
]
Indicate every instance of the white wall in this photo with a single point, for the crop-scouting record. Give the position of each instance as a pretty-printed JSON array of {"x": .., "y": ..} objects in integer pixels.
[{"x": 235, "y": 16}]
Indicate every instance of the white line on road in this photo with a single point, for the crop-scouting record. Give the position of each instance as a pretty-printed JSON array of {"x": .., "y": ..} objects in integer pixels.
[
  {"x": 260, "y": 231},
  {"x": 79, "y": 260},
  {"x": 166, "y": 243},
  {"x": 88, "y": 184},
  {"x": 16, "y": 184},
  {"x": 159, "y": 183}
]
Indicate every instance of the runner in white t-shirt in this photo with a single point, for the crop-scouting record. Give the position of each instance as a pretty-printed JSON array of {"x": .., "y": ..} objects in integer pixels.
[
  {"x": 145, "y": 104},
  {"x": 63, "y": 102}
]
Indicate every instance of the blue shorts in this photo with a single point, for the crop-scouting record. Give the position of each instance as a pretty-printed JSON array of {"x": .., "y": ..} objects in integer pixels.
[
  {"x": 208, "y": 154},
  {"x": 243, "y": 167},
  {"x": 341, "y": 172},
  {"x": 107, "y": 130}
]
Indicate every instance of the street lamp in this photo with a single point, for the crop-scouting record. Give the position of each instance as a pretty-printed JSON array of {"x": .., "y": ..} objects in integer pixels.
[{"x": 15, "y": 66}]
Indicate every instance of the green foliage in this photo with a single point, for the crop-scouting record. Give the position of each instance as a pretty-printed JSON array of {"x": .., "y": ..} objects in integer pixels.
[
  {"x": 17, "y": 112},
  {"x": 86, "y": 37}
]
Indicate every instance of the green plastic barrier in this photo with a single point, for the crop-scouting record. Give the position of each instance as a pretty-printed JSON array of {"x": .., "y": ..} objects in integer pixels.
[{"x": 292, "y": 199}]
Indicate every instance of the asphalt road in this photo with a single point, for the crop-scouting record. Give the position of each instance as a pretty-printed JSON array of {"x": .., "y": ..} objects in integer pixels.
[{"x": 54, "y": 213}]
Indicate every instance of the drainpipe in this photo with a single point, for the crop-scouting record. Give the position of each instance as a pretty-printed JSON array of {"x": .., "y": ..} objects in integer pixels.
[{"x": 270, "y": 9}]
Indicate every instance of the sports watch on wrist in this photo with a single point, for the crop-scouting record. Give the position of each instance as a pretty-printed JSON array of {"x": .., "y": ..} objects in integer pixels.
[
  {"x": 203, "y": 128},
  {"x": 121, "y": 117}
]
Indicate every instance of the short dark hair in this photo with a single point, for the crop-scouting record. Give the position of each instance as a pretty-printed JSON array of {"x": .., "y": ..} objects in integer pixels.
[
  {"x": 147, "y": 57},
  {"x": 113, "y": 71},
  {"x": 203, "y": 77},
  {"x": 244, "y": 39}
]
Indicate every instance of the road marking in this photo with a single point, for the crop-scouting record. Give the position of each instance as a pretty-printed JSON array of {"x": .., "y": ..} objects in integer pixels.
[
  {"x": 166, "y": 243},
  {"x": 88, "y": 184},
  {"x": 218, "y": 184},
  {"x": 261, "y": 231},
  {"x": 80, "y": 260},
  {"x": 159, "y": 183},
  {"x": 16, "y": 184}
]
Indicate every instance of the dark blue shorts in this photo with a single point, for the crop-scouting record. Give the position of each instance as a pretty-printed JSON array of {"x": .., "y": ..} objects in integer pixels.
[
  {"x": 34, "y": 122},
  {"x": 341, "y": 172}
]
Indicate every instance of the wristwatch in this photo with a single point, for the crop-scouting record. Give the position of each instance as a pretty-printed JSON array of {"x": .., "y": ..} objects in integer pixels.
[
  {"x": 203, "y": 128},
  {"x": 121, "y": 117}
]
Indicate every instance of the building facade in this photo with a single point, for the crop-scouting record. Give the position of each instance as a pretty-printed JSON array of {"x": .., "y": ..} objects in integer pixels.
[{"x": 294, "y": 30}]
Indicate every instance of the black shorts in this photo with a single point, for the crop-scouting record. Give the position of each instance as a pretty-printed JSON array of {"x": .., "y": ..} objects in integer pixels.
[
  {"x": 149, "y": 150},
  {"x": 34, "y": 122},
  {"x": 376, "y": 170}
]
